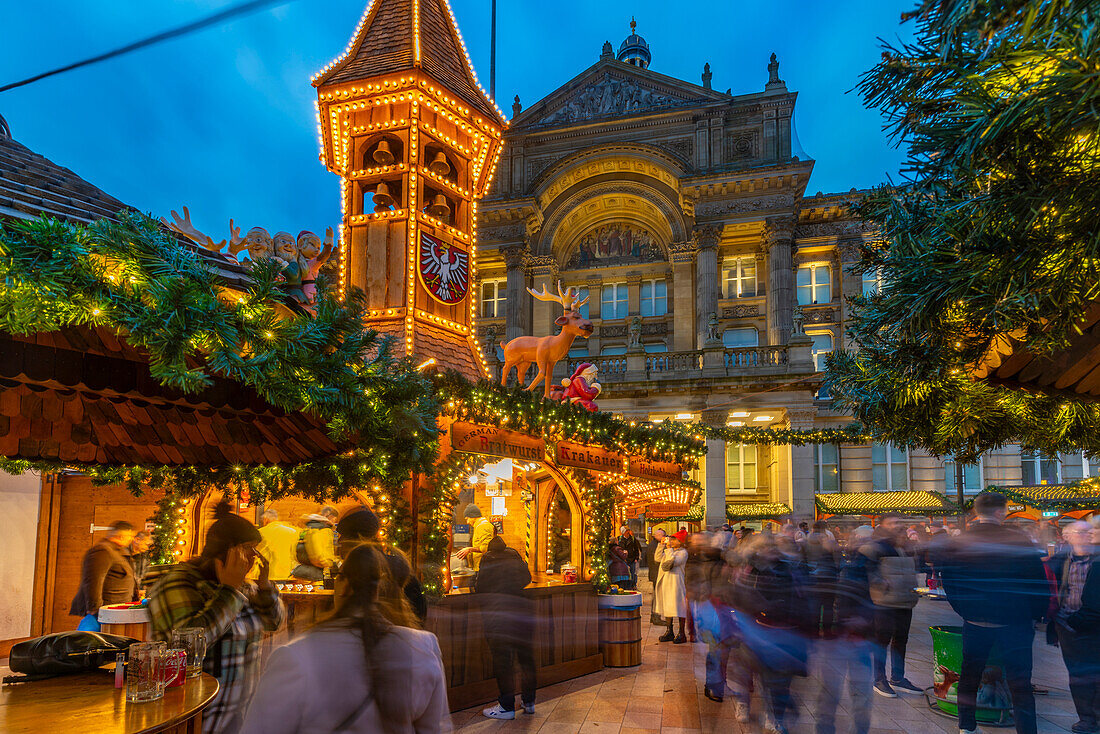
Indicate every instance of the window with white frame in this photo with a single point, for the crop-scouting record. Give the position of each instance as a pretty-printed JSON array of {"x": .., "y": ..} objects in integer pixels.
[
  {"x": 740, "y": 467},
  {"x": 654, "y": 298},
  {"x": 1040, "y": 467},
  {"x": 971, "y": 475},
  {"x": 826, "y": 468},
  {"x": 741, "y": 336},
  {"x": 889, "y": 468},
  {"x": 582, "y": 294},
  {"x": 1079, "y": 466},
  {"x": 613, "y": 301},
  {"x": 739, "y": 274},
  {"x": 822, "y": 345},
  {"x": 493, "y": 294},
  {"x": 872, "y": 281},
  {"x": 814, "y": 284}
]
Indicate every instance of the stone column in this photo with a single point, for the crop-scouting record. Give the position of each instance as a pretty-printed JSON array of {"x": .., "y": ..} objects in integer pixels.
[
  {"x": 778, "y": 240},
  {"x": 515, "y": 307},
  {"x": 682, "y": 257},
  {"x": 714, "y": 474},
  {"x": 544, "y": 273},
  {"x": 706, "y": 278},
  {"x": 633, "y": 295},
  {"x": 802, "y": 466}
]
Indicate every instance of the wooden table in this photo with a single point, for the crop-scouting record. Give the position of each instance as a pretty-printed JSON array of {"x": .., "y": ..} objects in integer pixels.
[{"x": 90, "y": 704}]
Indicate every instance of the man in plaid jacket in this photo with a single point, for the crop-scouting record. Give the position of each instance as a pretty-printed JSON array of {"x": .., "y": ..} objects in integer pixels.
[{"x": 212, "y": 592}]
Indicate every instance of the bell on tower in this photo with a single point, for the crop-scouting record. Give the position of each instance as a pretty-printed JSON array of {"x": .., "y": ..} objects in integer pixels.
[{"x": 415, "y": 139}]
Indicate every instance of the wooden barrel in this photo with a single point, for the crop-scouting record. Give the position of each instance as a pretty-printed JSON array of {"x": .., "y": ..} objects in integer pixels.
[
  {"x": 139, "y": 630},
  {"x": 621, "y": 636}
]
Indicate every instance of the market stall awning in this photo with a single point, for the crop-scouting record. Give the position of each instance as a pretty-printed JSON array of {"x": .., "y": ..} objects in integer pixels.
[
  {"x": 86, "y": 395},
  {"x": 756, "y": 511},
  {"x": 1074, "y": 370},
  {"x": 1078, "y": 496},
  {"x": 878, "y": 503}
]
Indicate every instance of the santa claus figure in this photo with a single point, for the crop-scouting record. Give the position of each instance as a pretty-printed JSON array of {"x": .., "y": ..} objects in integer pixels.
[{"x": 582, "y": 387}]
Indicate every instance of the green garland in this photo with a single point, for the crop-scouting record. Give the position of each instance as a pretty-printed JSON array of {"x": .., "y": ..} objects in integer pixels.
[
  {"x": 165, "y": 299},
  {"x": 527, "y": 412},
  {"x": 852, "y": 433}
]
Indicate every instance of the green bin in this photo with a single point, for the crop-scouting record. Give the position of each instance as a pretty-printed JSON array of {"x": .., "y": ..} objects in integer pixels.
[{"x": 994, "y": 699}]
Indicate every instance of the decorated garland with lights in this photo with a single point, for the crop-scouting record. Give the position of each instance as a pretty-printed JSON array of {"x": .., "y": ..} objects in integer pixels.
[
  {"x": 134, "y": 279},
  {"x": 1083, "y": 494},
  {"x": 853, "y": 433}
]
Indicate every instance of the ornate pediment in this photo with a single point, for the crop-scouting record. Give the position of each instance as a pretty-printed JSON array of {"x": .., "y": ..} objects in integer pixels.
[{"x": 611, "y": 96}]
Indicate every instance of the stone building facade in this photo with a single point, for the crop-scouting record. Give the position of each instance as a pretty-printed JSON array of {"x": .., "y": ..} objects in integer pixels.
[{"x": 716, "y": 285}]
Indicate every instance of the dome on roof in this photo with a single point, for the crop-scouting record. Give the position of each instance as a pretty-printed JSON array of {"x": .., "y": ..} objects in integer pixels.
[{"x": 634, "y": 50}]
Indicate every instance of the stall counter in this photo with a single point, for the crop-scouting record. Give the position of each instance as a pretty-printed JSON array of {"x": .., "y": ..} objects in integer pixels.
[{"x": 566, "y": 639}]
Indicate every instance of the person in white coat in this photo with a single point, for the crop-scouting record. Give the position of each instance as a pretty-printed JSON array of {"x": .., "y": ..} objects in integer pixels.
[
  {"x": 357, "y": 672},
  {"x": 670, "y": 594}
]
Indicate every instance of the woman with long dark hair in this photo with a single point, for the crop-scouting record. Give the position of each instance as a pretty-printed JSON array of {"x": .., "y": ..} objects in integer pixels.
[
  {"x": 212, "y": 591},
  {"x": 356, "y": 672}
]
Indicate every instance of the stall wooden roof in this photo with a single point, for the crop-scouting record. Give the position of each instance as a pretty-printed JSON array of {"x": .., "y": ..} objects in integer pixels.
[
  {"x": 878, "y": 503},
  {"x": 1084, "y": 496},
  {"x": 86, "y": 395},
  {"x": 1072, "y": 371}
]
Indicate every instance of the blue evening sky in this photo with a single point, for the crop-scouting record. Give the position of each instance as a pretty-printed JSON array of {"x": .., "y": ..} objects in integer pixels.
[{"x": 223, "y": 120}]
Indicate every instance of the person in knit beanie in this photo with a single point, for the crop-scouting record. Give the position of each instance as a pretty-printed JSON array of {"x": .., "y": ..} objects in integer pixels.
[{"x": 212, "y": 592}]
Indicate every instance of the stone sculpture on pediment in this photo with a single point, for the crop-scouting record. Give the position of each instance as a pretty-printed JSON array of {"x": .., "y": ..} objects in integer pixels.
[
  {"x": 743, "y": 205},
  {"x": 830, "y": 229},
  {"x": 608, "y": 97}
]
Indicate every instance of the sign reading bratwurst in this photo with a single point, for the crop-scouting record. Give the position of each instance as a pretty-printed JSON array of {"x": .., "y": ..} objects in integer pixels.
[
  {"x": 568, "y": 453},
  {"x": 660, "y": 471},
  {"x": 495, "y": 441}
]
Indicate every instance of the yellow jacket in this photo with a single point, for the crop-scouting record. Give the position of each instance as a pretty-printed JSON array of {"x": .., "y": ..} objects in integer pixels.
[
  {"x": 279, "y": 547},
  {"x": 321, "y": 546},
  {"x": 483, "y": 532}
]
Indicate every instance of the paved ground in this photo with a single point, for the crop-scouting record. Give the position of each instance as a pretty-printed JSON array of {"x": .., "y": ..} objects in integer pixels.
[{"x": 665, "y": 694}]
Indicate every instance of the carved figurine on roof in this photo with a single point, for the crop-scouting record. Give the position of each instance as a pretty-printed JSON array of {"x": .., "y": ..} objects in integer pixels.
[
  {"x": 546, "y": 351},
  {"x": 301, "y": 259},
  {"x": 581, "y": 388}
]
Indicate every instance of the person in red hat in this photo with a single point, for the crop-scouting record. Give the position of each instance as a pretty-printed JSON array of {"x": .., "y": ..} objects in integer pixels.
[
  {"x": 670, "y": 594},
  {"x": 582, "y": 387}
]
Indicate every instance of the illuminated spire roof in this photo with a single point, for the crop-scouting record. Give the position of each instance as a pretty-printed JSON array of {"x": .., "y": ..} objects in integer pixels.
[{"x": 396, "y": 35}]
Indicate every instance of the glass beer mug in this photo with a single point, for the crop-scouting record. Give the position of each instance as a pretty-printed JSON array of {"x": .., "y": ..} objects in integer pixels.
[
  {"x": 193, "y": 640},
  {"x": 145, "y": 671}
]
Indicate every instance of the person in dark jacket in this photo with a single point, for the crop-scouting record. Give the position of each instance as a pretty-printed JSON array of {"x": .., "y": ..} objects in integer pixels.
[
  {"x": 1075, "y": 626},
  {"x": 508, "y": 618},
  {"x": 617, "y": 569},
  {"x": 823, "y": 560},
  {"x": 773, "y": 618},
  {"x": 995, "y": 581},
  {"x": 892, "y": 571},
  {"x": 633, "y": 549},
  {"x": 106, "y": 576},
  {"x": 851, "y": 652}
]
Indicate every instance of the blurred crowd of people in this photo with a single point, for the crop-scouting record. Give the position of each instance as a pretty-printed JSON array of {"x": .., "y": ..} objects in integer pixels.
[{"x": 766, "y": 603}]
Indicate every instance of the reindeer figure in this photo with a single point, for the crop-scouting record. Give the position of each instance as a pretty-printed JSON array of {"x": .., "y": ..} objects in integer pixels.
[{"x": 546, "y": 351}]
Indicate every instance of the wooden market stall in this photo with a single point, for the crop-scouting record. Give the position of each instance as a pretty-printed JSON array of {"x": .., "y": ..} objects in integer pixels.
[
  {"x": 1053, "y": 503},
  {"x": 741, "y": 512}
]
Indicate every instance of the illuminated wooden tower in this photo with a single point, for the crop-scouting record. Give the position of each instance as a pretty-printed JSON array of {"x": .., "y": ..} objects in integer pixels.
[{"x": 414, "y": 139}]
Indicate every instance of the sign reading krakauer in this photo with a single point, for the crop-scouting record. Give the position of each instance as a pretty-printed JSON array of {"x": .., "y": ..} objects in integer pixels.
[
  {"x": 568, "y": 453},
  {"x": 495, "y": 441},
  {"x": 660, "y": 471}
]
